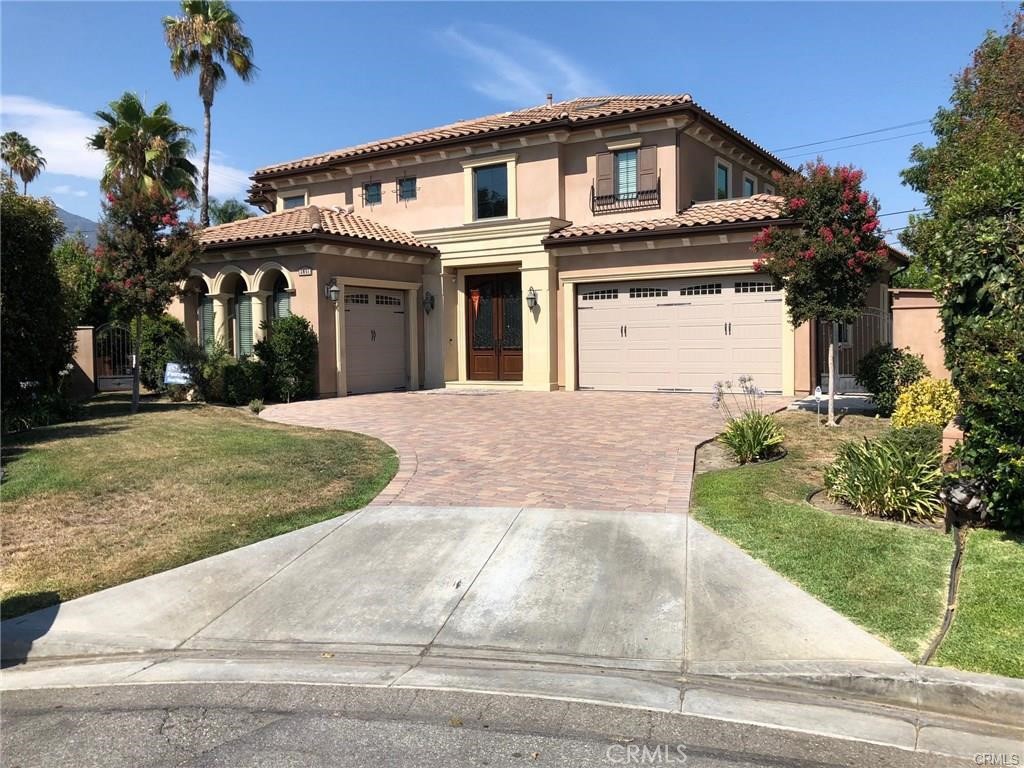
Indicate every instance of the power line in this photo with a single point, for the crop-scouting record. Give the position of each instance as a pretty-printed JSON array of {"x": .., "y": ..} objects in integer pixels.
[
  {"x": 862, "y": 143},
  {"x": 851, "y": 136},
  {"x": 896, "y": 213}
]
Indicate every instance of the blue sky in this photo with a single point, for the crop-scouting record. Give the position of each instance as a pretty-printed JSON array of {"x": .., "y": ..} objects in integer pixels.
[{"x": 336, "y": 74}]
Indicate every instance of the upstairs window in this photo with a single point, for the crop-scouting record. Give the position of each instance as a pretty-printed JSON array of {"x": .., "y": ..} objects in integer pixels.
[
  {"x": 293, "y": 201},
  {"x": 371, "y": 193},
  {"x": 625, "y": 174},
  {"x": 749, "y": 185},
  {"x": 490, "y": 191},
  {"x": 407, "y": 188},
  {"x": 723, "y": 180}
]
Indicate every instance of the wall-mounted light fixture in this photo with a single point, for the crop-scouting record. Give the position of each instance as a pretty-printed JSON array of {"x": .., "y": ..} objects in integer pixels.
[
  {"x": 531, "y": 299},
  {"x": 332, "y": 291},
  {"x": 428, "y": 302}
]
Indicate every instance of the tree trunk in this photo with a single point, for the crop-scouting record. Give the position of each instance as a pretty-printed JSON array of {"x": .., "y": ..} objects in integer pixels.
[
  {"x": 832, "y": 375},
  {"x": 136, "y": 349},
  {"x": 204, "y": 209}
]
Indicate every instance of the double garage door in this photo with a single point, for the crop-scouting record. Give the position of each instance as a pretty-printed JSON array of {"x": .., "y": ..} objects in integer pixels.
[
  {"x": 679, "y": 335},
  {"x": 375, "y": 340}
]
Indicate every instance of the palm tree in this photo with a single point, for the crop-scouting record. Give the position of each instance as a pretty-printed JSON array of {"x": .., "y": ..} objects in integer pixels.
[
  {"x": 144, "y": 150},
  {"x": 207, "y": 34},
  {"x": 22, "y": 157},
  {"x": 228, "y": 211}
]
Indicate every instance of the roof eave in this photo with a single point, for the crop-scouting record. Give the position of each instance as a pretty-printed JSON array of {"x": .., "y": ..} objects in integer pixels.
[
  {"x": 359, "y": 242},
  {"x": 645, "y": 234}
]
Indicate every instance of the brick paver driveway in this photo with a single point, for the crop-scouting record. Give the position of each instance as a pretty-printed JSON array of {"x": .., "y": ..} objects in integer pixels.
[{"x": 582, "y": 450}]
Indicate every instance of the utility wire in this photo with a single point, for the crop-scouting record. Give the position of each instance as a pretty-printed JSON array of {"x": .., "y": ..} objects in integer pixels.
[
  {"x": 861, "y": 143},
  {"x": 851, "y": 136},
  {"x": 895, "y": 213}
]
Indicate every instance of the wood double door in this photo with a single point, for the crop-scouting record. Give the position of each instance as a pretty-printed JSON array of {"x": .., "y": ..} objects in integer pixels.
[{"x": 494, "y": 305}]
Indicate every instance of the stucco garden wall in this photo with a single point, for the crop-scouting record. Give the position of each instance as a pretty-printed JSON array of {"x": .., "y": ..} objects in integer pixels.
[{"x": 916, "y": 324}]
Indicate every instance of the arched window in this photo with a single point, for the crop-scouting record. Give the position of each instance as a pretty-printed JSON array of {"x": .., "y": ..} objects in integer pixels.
[{"x": 281, "y": 300}]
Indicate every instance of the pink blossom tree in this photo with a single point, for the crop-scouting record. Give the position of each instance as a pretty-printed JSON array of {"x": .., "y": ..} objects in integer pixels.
[{"x": 831, "y": 253}]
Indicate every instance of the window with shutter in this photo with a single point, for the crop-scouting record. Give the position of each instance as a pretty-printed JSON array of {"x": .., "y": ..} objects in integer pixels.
[
  {"x": 625, "y": 174},
  {"x": 206, "y": 321},
  {"x": 605, "y": 183},
  {"x": 244, "y": 311}
]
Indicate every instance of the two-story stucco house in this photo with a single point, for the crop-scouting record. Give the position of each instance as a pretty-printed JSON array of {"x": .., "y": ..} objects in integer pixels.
[{"x": 598, "y": 243}]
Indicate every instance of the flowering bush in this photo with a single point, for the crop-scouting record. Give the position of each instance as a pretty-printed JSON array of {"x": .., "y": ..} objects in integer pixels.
[
  {"x": 750, "y": 433},
  {"x": 928, "y": 401}
]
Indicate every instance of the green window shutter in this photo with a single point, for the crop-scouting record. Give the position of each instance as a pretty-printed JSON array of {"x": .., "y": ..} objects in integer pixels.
[
  {"x": 244, "y": 325},
  {"x": 206, "y": 321}
]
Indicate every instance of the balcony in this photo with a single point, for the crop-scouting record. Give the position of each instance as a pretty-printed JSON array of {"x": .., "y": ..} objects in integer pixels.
[{"x": 632, "y": 201}]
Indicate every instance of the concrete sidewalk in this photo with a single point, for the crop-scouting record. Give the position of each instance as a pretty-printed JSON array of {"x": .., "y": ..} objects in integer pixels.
[{"x": 633, "y": 590}]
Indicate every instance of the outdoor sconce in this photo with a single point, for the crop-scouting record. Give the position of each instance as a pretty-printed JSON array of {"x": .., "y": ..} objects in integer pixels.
[
  {"x": 428, "y": 302},
  {"x": 531, "y": 299},
  {"x": 332, "y": 291}
]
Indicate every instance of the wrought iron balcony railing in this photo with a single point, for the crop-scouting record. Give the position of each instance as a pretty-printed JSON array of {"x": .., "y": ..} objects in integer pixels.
[{"x": 631, "y": 201}]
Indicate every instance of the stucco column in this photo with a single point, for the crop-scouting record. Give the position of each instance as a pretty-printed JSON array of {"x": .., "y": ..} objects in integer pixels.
[
  {"x": 569, "y": 334},
  {"x": 434, "y": 337},
  {"x": 259, "y": 313},
  {"x": 220, "y": 318},
  {"x": 340, "y": 370},
  {"x": 540, "y": 325}
]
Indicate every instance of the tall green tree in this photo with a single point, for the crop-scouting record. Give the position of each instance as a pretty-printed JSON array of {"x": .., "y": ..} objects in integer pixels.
[
  {"x": 972, "y": 243},
  {"x": 229, "y": 210},
  {"x": 37, "y": 334},
  {"x": 144, "y": 248},
  {"x": 830, "y": 257},
  {"x": 22, "y": 157},
  {"x": 76, "y": 268},
  {"x": 203, "y": 39}
]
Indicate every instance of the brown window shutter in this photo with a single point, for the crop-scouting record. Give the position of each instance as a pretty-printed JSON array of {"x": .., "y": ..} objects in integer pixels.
[
  {"x": 605, "y": 175},
  {"x": 647, "y": 173}
]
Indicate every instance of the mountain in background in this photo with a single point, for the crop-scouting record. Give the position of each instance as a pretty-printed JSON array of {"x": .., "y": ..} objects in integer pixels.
[{"x": 74, "y": 223}]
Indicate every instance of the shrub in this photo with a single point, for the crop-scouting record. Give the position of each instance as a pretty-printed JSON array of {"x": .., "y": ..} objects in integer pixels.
[
  {"x": 991, "y": 381},
  {"x": 750, "y": 434},
  {"x": 290, "y": 354},
  {"x": 880, "y": 478},
  {"x": 884, "y": 371},
  {"x": 928, "y": 401},
  {"x": 256, "y": 406},
  {"x": 244, "y": 382},
  {"x": 753, "y": 436},
  {"x": 192, "y": 357},
  {"x": 922, "y": 439},
  {"x": 161, "y": 336},
  {"x": 211, "y": 383}
]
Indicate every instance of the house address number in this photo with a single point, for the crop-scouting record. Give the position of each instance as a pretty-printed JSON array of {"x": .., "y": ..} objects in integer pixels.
[{"x": 305, "y": 272}]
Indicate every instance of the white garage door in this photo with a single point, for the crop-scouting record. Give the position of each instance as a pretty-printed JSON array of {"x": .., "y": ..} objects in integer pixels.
[
  {"x": 679, "y": 335},
  {"x": 375, "y": 340}
]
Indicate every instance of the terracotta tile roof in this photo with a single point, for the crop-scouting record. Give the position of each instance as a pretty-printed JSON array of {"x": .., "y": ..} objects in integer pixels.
[
  {"x": 568, "y": 112},
  {"x": 308, "y": 220},
  {"x": 734, "y": 211}
]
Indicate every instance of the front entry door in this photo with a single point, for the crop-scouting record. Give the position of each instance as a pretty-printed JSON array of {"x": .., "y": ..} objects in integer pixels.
[{"x": 495, "y": 326}]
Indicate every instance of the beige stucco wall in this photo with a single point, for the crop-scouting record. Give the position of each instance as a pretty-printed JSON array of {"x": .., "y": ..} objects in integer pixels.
[
  {"x": 83, "y": 374},
  {"x": 916, "y": 324}
]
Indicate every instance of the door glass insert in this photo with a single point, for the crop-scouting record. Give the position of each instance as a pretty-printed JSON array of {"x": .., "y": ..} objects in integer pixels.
[
  {"x": 481, "y": 307},
  {"x": 512, "y": 313}
]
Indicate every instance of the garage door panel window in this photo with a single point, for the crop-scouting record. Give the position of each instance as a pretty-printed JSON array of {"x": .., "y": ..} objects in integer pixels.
[
  {"x": 647, "y": 293},
  {"x": 744, "y": 286},
  {"x": 601, "y": 295},
  {"x": 357, "y": 298},
  {"x": 390, "y": 301},
  {"x": 704, "y": 289}
]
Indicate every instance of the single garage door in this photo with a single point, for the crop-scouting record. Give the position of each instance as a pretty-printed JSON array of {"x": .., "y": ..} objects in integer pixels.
[
  {"x": 375, "y": 340},
  {"x": 679, "y": 335}
]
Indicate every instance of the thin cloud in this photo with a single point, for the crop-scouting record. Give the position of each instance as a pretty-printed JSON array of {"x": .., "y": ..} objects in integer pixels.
[
  {"x": 61, "y": 135},
  {"x": 517, "y": 69},
  {"x": 67, "y": 189}
]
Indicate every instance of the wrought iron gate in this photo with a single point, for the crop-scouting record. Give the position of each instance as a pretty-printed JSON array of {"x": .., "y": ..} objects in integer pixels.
[
  {"x": 856, "y": 339},
  {"x": 113, "y": 345}
]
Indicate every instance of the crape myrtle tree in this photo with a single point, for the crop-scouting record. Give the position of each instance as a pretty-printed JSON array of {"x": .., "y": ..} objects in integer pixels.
[
  {"x": 144, "y": 247},
  {"x": 830, "y": 256}
]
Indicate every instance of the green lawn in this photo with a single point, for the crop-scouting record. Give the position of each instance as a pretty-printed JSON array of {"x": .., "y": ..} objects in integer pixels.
[
  {"x": 988, "y": 629},
  {"x": 113, "y": 497},
  {"x": 891, "y": 579}
]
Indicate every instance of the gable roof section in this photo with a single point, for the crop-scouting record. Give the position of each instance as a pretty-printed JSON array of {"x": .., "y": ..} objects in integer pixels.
[
  {"x": 564, "y": 114},
  {"x": 712, "y": 213},
  {"x": 312, "y": 221}
]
